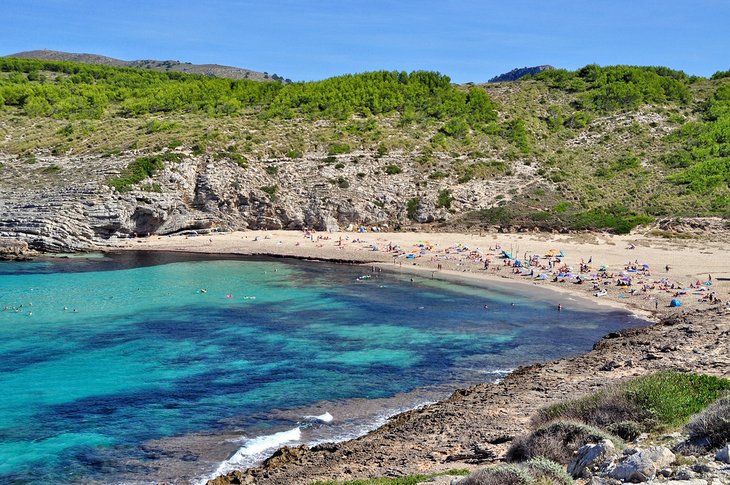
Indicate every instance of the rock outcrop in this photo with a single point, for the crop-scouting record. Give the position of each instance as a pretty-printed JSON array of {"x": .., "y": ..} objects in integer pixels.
[
  {"x": 592, "y": 457},
  {"x": 66, "y": 204},
  {"x": 642, "y": 465},
  {"x": 519, "y": 72}
]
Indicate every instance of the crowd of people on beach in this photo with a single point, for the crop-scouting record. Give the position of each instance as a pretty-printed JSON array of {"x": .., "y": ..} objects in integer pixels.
[{"x": 634, "y": 280}]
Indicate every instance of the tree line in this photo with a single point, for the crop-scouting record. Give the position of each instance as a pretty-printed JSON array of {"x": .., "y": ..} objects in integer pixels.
[{"x": 74, "y": 91}]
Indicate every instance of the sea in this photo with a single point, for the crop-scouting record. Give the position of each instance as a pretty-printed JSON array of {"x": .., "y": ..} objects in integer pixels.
[{"x": 147, "y": 367}]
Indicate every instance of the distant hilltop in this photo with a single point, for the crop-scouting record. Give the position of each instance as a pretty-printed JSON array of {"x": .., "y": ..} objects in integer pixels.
[
  {"x": 214, "y": 70},
  {"x": 516, "y": 74}
]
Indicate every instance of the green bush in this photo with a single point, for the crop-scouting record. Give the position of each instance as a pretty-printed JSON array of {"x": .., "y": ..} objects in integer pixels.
[
  {"x": 271, "y": 191},
  {"x": 392, "y": 169},
  {"x": 437, "y": 175},
  {"x": 343, "y": 183},
  {"x": 294, "y": 153},
  {"x": 155, "y": 126},
  {"x": 615, "y": 218},
  {"x": 141, "y": 169},
  {"x": 456, "y": 128},
  {"x": 664, "y": 399},
  {"x": 412, "y": 207},
  {"x": 444, "y": 199},
  {"x": 516, "y": 132},
  {"x": 338, "y": 149},
  {"x": 557, "y": 441}
]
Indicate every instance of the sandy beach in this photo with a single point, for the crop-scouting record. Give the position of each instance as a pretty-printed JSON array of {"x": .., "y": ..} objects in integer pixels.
[{"x": 698, "y": 269}]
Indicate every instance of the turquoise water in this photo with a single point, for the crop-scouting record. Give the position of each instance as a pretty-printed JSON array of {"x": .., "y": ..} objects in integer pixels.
[{"x": 125, "y": 350}]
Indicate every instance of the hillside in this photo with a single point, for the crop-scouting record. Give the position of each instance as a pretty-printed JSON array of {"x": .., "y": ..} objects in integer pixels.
[
  {"x": 215, "y": 70},
  {"x": 91, "y": 152}
]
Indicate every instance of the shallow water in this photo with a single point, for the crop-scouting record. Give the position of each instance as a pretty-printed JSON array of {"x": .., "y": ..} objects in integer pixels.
[{"x": 127, "y": 372}]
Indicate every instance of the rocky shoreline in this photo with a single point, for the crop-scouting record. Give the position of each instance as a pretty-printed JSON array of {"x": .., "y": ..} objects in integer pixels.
[{"x": 475, "y": 426}]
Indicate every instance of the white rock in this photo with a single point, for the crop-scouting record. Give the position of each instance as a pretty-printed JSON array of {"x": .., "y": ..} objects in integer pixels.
[
  {"x": 592, "y": 456},
  {"x": 642, "y": 465}
]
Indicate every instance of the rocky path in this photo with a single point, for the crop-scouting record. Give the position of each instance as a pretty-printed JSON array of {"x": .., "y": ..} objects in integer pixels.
[{"x": 475, "y": 426}]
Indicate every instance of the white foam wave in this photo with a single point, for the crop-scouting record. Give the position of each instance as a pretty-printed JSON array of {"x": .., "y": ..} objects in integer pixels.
[
  {"x": 325, "y": 418},
  {"x": 253, "y": 450},
  {"x": 496, "y": 371}
]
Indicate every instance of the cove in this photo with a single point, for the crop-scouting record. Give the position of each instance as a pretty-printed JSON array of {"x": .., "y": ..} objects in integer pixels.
[{"x": 135, "y": 367}]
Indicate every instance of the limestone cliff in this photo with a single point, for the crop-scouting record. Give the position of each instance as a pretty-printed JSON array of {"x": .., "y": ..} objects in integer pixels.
[{"x": 65, "y": 203}]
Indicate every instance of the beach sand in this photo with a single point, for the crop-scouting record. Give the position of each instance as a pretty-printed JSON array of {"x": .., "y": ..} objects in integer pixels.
[{"x": 462, "y": 255}]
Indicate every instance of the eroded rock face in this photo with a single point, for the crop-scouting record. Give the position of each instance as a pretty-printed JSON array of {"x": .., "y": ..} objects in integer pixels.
[
  {"x": 643, "y": 465},
  {"x": 65, "y": 203},
  {"x": 11, "y": 249}
]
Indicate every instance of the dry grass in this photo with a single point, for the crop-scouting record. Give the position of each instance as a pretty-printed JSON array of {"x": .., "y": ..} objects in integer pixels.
[{"x": 711, "y": 428}]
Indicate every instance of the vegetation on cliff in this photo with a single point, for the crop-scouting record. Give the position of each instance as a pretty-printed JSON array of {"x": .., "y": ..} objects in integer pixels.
[{"x": 597, "y": 148}]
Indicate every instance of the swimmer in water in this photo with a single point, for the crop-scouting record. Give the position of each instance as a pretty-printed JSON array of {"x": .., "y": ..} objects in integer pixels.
[{"x": 560, "y": 307}]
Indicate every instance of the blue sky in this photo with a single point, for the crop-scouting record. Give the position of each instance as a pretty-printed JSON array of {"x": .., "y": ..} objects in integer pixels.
[{"x": 304, "y": 40}]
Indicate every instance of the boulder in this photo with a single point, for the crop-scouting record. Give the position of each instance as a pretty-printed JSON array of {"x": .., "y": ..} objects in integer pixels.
[
  {"x": 723, "y": 454},
  {"x": 592, "y": 457},
  {"x": 642, "y": 465}
]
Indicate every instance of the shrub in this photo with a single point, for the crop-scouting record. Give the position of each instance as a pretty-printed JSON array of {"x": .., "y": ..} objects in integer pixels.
[
  {"x": 556, "y": 441},
  {"x": 343, "y": 183},
  {"x": 711, "y": 427},
  {"x": 672, "y": 397},
  {"x": 437, "y": 175},
  {"x": 155, "y": 126},
  {"x": 600, "y": 409},
  {"x": 338, "y": 149},
  {"x": 548, "y": 472},
  {"x": 658, "y": 400},
  {"x": 500, "y": 475},
  {"x": 294, "y": 153},
  {"x": 139, "y": 170},
  {"x": 516, "y": 132},
  {"x": 392, "y": 169},
  {"x": 444, "y": 199},
  {"x": 626, "y": 430},
  {"x": 412, "y": 207},
  {"x": 51, "y": 169},
  {"x": 456, "y": 128},
  {"x": 270, "y": 190}
]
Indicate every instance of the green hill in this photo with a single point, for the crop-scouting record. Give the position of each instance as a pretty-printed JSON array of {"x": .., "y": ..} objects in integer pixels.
[{"x": 598, "y": 148}]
